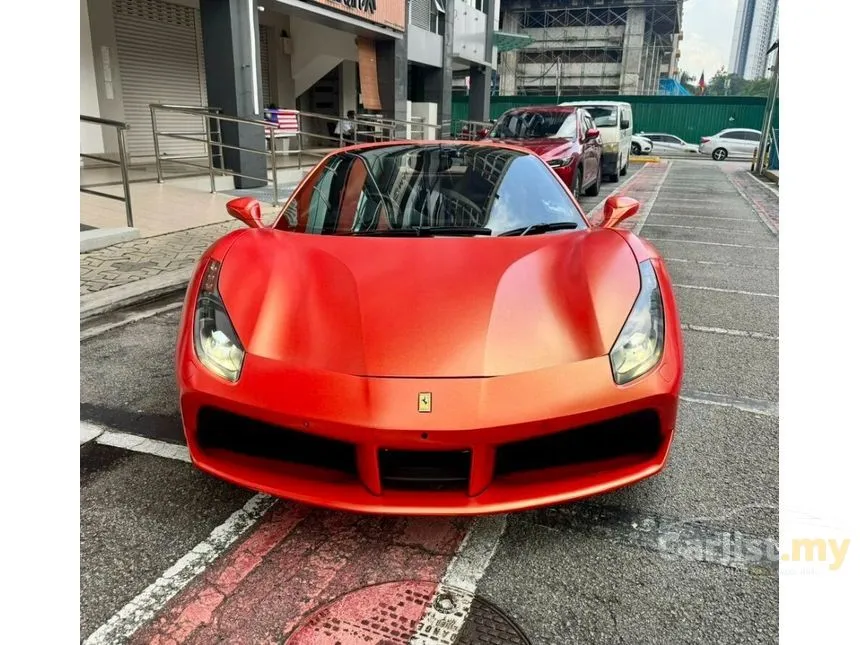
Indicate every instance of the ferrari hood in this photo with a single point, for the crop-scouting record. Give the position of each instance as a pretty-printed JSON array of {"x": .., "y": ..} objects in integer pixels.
[{"x": 428, "y": 307}]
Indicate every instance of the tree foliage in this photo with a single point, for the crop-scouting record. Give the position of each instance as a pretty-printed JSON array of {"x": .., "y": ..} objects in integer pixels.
[{"x": 724, "y": 84}]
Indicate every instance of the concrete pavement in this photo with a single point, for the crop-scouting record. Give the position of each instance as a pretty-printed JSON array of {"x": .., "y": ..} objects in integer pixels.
[{"x": 627, "y": 567}]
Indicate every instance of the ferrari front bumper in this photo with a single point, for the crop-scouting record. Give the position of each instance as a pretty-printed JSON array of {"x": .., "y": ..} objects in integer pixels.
[{"x": 429, "y": 446}]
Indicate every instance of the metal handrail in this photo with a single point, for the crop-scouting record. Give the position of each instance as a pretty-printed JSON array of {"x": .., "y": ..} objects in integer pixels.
[
  {"x": 472, "y": 128},
  {"x": 120, "y": 128},
  {"x": 383, "y": 130}
]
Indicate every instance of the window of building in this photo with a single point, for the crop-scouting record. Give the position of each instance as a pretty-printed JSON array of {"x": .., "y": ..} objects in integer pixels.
[{"x": 437, "y": 17}]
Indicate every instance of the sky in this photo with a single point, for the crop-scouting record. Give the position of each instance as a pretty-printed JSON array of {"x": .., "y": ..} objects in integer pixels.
[{"x": 707, "y": 27}]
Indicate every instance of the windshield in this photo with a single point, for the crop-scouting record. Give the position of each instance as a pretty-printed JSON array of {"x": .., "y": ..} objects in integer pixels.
[
  {"x": 604, "y": 116},
  {"x": 522, "y": 124},
  {"x": 394, "y": 190}
]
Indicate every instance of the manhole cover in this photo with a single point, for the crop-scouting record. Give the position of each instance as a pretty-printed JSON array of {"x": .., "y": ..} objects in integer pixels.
[{"x": 408, "y": 613}]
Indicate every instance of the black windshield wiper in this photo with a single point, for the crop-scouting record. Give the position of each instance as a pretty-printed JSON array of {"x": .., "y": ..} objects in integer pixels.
[
  {"x": 541, "y": 228},
  {"x": 427, "y": 231}
]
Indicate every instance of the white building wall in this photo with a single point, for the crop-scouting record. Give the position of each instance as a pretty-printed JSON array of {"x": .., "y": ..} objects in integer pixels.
[
  {"x": 316, "y": 51},
  {"x": 91, "y": 135}
]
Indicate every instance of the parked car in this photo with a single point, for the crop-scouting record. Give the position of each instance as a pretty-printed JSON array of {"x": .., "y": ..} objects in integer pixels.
[
  {"x": 738, "y": 143},
  {"x": 565, "y": 137},
  {"x": 379, "y": 347},
  {"x": 640, "y": 145},
  {"x": 669, "y": 143},
  {"x": 614, "y": 119}
]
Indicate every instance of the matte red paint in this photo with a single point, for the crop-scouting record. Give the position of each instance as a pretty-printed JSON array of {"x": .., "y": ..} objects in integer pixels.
[{"x": 510, "y": 334}]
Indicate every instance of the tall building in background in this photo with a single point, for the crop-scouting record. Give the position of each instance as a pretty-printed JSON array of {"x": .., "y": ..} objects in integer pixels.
[{"x": 756, "y": 26}]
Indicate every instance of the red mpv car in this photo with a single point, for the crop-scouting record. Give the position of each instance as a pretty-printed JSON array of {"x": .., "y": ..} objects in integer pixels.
[{"x": 564, "y": 137}]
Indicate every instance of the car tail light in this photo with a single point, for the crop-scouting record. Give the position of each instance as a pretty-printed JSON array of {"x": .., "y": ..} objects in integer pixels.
[{"x": 705, "y": 139}]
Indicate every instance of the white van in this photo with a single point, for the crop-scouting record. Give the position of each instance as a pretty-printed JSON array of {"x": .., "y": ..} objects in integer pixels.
[{"x": 615, "y": 122}]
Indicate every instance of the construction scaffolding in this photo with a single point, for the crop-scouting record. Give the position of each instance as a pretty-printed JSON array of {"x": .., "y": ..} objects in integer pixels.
[{"x": 590, "y": 47}]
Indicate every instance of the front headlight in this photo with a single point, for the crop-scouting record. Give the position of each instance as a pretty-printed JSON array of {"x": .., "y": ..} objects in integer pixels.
[
  {"x": 610, "y": 147},
  {"x": 560, "y": 163},
  {"x": 640, "y": 344},
  {"x": 215, "y": 341}
]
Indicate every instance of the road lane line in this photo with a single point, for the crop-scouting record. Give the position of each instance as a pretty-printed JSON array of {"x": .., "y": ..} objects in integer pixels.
[
  {"x": 645, "y": 211},
  {"x": 737, "y": 246},
  {"x": 698, "y": 228},
  {"x": 464, "y": 572},
  {"x": 721, "y": 264},
  {"x": 735, "y": 291},
  {"x": 729, "y": 332},
  {"x": 90, "y": 431},
  {"x": 727, "y": 219},
  {"x": 145, "y": 605},
  {"x": 596, "y": 209},
  {"x": 755, "y": 406},
  {"x": 133, "y": 442}
]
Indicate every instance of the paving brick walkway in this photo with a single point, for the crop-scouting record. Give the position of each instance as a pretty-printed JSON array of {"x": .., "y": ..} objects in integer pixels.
[
  {"x": 147, "y": 257},
  {"x": 758, "y": 193}
]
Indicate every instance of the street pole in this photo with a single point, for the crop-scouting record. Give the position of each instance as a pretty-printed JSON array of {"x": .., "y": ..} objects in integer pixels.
[
  {"x": 768, "y": 115},
  {"x": 558, "y": 78}
]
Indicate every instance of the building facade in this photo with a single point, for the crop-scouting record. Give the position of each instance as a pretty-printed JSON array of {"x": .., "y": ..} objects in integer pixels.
[
  {"x": 318, "y": 56},
  {"x": 590, "y": 47},
  {"x": 756, "y": 28}
]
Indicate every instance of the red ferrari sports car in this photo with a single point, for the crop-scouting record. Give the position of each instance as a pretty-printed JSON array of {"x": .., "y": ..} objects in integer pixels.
[{"x": 430, "y": 327}]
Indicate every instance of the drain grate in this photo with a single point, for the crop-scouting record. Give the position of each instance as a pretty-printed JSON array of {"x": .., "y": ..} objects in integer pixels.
[{"x": 410, "y": 612}]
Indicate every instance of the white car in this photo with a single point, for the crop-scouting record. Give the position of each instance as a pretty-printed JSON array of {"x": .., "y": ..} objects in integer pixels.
[
  {"x": 737, "y": 143},
  {"x": 668, "y": 143},
  {"x": 640, "y": 145}
]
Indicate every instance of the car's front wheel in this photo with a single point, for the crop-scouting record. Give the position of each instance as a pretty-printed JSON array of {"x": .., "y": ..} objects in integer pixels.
[
  {"x": 635, "y": 149},
  {"x": 719, "y": 154}
]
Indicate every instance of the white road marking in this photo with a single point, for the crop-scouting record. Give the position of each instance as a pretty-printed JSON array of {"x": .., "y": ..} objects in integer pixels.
[
  {"x": 703, "y": 200},
  {"x": 645, "y": 211},
  {"x": 721, "y": 264},
  {"x": 135, "y": 317},
  {"x": 729, "y": 332},
  {"x": 737, "y": 246},
  {"x": 133, "y": 442},
  {"x": 90, "y": 431},
  {"x": 464, "y": 573},
  {"x": 755, "y": 406},
  {"x": 618, "y": 189},
  {"x": 695, "y": 228},
  {"x": 736, "y": 291},
  {"x": 142, "y": 444},
  {"x": 144, "y": 607},
  {"x": 727, "y": 219}
]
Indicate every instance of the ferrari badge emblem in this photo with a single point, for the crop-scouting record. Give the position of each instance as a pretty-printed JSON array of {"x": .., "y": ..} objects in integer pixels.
[{"x": 425, "y": 401}]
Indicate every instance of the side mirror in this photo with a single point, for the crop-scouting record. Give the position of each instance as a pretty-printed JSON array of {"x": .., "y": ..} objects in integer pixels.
[
  {"x": 591, "y": 134},
  {"x": 617, "y": 209},
  {"x": 247, "y": 210},
  {"x": 625, "y": 124}
]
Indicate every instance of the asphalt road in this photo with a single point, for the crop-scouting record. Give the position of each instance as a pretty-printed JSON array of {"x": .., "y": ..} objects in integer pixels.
[{"x": 609, "y": 570}]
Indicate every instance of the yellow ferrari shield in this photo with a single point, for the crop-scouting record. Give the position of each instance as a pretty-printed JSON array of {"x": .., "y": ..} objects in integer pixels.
[{"x": 425, "y": 401}]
